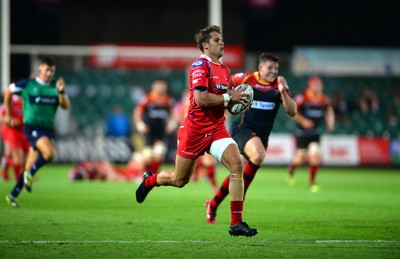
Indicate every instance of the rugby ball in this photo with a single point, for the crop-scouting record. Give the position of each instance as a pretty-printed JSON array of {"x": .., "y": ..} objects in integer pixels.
[{"x": 238, "y": 107}]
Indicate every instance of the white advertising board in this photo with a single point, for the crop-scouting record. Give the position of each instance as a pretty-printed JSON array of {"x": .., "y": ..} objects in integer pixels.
[
  {"x": 339, "y": 150},
  {"x": 280, "y": 150}
]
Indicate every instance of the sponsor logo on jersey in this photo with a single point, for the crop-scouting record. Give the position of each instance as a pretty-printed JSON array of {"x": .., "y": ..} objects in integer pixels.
[
  {"x": 314, "y": 113},
  {"x": 158, "y": 114},
  {"x": 220, "y": 87},
  {"x": 43, "y": 100},
  {"x": 262, "y": 105},
  {"x": 263, "y": 87},
  {"x": 197, "y": 63},
  {"x": 197, "y": 74}
]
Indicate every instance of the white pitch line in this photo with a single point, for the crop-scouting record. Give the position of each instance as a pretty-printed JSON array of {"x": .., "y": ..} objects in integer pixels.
[
  {"x": 102, "y": 241},
  {"x": 357, "y": 241},
  {"x": 191, "y": 241}
]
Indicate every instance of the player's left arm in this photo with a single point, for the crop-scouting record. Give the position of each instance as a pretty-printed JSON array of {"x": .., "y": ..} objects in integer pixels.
[
  {"x": 7, "y": 119},
  {"x": 288, "y": 103},
  {"x": 63, "y": 99},
  {"x": 330, "y": 118},
  {"x": 172, "y": 122}
]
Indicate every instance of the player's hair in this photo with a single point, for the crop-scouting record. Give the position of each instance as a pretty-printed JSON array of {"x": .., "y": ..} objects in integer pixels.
[
  {"x": 204, "y": 35},
  {"x": 264, "y": 57},
  {"x": 47, "y": 61}
]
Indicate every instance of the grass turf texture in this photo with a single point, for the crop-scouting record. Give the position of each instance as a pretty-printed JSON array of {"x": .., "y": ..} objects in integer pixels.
[{"x": 356, "y": 214}]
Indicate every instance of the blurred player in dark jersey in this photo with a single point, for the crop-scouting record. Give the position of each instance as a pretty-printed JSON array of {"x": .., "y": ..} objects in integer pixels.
[
  {"x": 153, "y": 119},
  {"x": 314, "y": 109},
  {"x": 252, "y": 128},
  {"x": 203, "y": 129},
  {"x": 41, "y": 98}
]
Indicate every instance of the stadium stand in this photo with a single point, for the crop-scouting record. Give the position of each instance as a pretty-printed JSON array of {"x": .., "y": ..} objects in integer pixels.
[{"x": 94, "y": 92}]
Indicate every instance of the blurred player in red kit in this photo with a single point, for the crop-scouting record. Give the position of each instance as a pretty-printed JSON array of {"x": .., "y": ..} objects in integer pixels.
[
  {"x": 17, "y": 143},
  {"x": 6, "y": 159},
  {"x": 204, "y": 130},
  {"x": 314, "y": 108}
]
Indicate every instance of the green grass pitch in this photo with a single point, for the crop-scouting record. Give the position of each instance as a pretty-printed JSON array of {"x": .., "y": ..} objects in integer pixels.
[{"x": 356, "y": 214}]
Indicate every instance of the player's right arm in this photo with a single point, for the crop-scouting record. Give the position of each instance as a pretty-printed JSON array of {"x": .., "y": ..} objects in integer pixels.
[
  {"x": 303, "y": 121},
  {"x": 14, "y": 88},
  {"x": 206, "y": 99},
  {"x": 138, "y": 117},
  {"x": 299, "y": 118},
  {"x": 200, "y": 79},
  {"x": 7, "y": 119}
]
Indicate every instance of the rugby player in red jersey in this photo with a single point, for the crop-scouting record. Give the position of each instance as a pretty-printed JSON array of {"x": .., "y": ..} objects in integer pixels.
[
  {"x": 204, "y": 130},
  {"x": 314, "y": 108},
  {"x": 252, "y": 128},
  {"x": 16, "y": 140},
  {"x": 6, "y": 158}
]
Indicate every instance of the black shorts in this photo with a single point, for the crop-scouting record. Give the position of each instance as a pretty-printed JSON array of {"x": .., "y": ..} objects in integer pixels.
[
  {"x": 154, "y": 135},
  {"x": 243, "y": 135},
  {"x": 33, "y": 134},
  {"x": 303, "y": 142}
]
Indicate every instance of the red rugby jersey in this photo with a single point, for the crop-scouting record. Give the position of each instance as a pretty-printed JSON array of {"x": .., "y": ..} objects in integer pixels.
[
  {"x": 215, "y": 78},
  {"x": 16, "y": 110}
]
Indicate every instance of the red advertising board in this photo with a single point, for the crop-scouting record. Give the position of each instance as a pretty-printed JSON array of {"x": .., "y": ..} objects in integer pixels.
[
  {"x": 374, "y": 151},
  {"x": 157, "y": 56}
]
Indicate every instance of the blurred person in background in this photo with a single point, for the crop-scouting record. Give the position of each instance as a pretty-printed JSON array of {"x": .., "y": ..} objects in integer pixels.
[
  {"x": 393, "y": 111},
  {"x": 340, "y": 107},
  {"x": 153, "y": 120},
  {"x": 368, "y": 101},
  {"x": 16, "y": 144},
  {"x": 6, "y": 158},
  {"x": 106, "y": 171},
  {"x": 203, "y": 129},
  {"x": 41, "y": 97},
  {"x": 206, "y": 166},
  {"x": 118, "y": 123},
  {"x": 251, "y": 130},
  {"x": 94, "y": 170},
  {"x": 135, "y": 167},
  {"x": 314, "y": 107}
]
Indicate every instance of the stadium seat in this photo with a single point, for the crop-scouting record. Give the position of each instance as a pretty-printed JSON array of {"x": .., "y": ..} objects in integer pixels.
[{"x": 95, "y": 91}]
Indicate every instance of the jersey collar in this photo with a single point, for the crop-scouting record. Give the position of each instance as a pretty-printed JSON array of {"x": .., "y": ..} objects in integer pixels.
[
  {"x": 209, "y": 59},
  {"x": 40, "y": 81}
]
